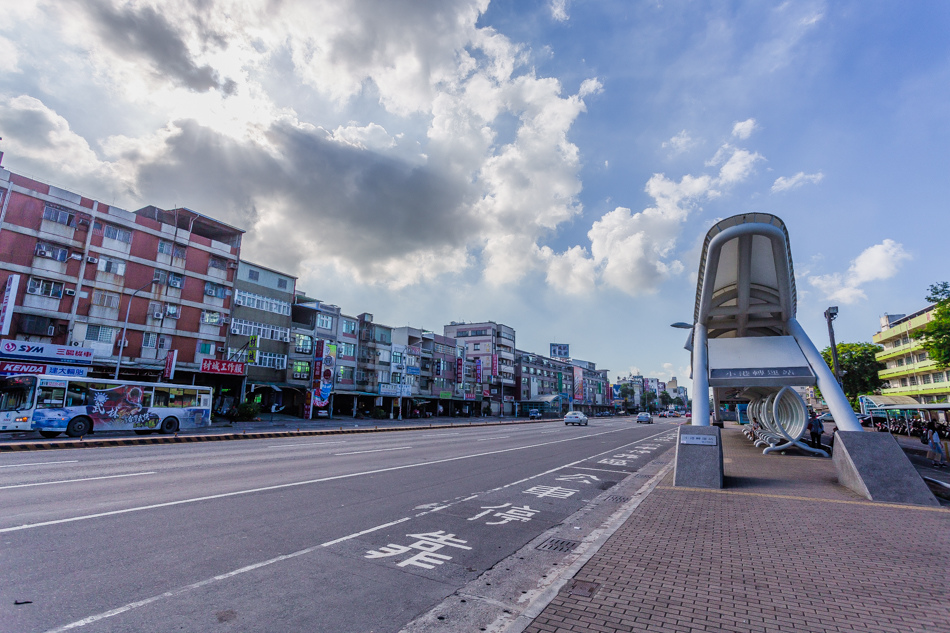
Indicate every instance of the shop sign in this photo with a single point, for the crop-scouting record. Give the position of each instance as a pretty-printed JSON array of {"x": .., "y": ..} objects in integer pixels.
[
  {"x": 578, "y": 384},
  {"x": 458, "y": 370},
  {"x": 9, "y": 298},
  {"x": 445, "y": 395},
  {"x": 170, "y": 360},
  {"x": 486, "y": 393},
  {"x": 229, "y": 367},
  {"x": 11, "y": 368},
  {"x": 494, "y": 364},
  {"x": 412, "y": 370},
  {"x": 395, "y": 391},
  {"x": 509, "y": 398},
  {"x": 29, "y": 350},
  {"x": 323, "y": 378},
  {"x": 478, "y": 370},
  {"x": 469, "y": 396}
]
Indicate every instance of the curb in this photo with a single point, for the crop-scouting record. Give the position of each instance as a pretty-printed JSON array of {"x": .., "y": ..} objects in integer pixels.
[{"x": 223, "y": 437}]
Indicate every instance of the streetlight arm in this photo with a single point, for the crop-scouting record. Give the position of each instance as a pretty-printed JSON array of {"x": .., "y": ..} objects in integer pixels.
[{"x": 125, "y": 327}]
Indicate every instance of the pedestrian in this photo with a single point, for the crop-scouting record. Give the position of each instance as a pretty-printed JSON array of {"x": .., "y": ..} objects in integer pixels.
[
  {"x": 936, "y": 454},
  {"x": 816, "y": 428}
]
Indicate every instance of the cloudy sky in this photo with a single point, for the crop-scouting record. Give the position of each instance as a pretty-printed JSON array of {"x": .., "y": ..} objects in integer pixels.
[{"x": 548, "y": 164}]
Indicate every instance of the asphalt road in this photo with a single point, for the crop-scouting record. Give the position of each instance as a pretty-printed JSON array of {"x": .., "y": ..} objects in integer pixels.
[{"x": 342, "y": 533}]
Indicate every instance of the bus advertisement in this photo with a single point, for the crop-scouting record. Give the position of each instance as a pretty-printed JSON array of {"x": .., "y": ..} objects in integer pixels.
[{"x": 78, "y": 406}]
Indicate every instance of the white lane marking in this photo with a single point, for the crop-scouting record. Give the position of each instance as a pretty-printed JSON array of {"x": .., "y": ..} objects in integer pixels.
[
  {"x": 70, "y": 481},
  {"x": 198, "y": 585},
  {"x": 68, "y": 461},
  {"x": 604, "y": 470},
  {"x": 375, "y": 450},
  {"x": 496, "y": 437},
  {"x": 437, "y": 434},
  {"x": 293, "y": 484},
  {"x": 304, "y": 444}
]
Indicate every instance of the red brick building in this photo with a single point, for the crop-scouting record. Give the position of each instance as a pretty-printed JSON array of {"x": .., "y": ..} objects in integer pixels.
[{"x": 73, "y": 268}]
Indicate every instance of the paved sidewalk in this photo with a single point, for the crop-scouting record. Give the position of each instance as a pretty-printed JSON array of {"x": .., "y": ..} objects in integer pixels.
[{"x": 782, "y": 548}]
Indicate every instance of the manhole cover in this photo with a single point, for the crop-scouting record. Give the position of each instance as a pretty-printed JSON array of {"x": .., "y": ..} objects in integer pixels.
[
  {"x": 558, "y": 545},
  {"x": 617, "y": 499},
  {"x": 584, "y": 589}
]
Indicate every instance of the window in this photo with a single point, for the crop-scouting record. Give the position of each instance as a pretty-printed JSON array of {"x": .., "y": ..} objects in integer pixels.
[
  {"x": 210, "y": 318},
  {"x": 926, "y": 379},
  {"x": 263, "y": 330},
  {"x": 900, "y": 362},
  {"x": 99, "y": 333},
  {"x": 58, "y": 214},
  {"x": 301, "y": 369},
  {"x": 303, "y": 344},
  {"x": 217, "y": 262},
  {"x": 397, "y": 357},
  {"x": 259, "y": 302},
  {"x": 51, "y": 396},
  {"x": 254, "y": 275},
  {"x": 282, "y": 284},
  {"x": 938, "y": 377},
  {"x": 51, "y": 251},
  {"x": 205, "y": 347},
  {"x": 345, "y": 374},
  {"x": 44, "y": 287},
  {"x": 160, "y": 276},
  {"x": 172, "y": 311},
  {"x": 347, "y": 349},
  {"x": 324, "y": 321},
  {"x": 164, "y": 247},
  {"x": 150, "y": 340},
  {"x": 175, "y": 280},
  {"x": 116, "y": 233},
  {"x": 349, "y": 327},
  {"x": 913, "y": 380},
  {"x": 105, "y": 299},
  {"x": 215, "y": 290},
  {"x": 111, "y": 265},
  {"x": 922, "y": 357},
  {"x": 397, "y": 379},
  {"x": 476, "y": 346},
  {"x": 34, "y": 324},
  {"x": 178, "y": 251},
  {"x": 264, "y": 359}
]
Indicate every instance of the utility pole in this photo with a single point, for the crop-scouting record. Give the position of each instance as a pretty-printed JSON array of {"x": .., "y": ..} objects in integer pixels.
[{"x": 830, "y": 315}]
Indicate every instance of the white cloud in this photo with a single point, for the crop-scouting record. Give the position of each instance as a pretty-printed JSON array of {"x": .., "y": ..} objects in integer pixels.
[
  {"x": 739, "y": 166},
  {"x": 559, "y": 10},
  {"x": 784, "y": 184},
  {"x": 744, "y": 129},
  {"x": 875, "y": 263},
  {"x": 680, "y": 143}
]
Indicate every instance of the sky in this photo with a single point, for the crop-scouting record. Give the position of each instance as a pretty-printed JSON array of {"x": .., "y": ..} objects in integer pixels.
[{"x": 549, "y": 164}]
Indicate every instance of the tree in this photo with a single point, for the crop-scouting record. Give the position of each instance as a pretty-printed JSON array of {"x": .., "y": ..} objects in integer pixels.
[
  {"x": 649, "y": 400},
  {"x": 678, "y": 401},
  {"x": 665, "y": 399},
  {"x": 935, "y": 336},
  {"x": 859, "y": 368}
]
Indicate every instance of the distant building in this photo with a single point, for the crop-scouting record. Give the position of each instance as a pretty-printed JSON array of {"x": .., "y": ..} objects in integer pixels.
[
  {"x": 491, "y": 346},
  {"x": 909, "y": 371},
  {"x": 543, "y": 383}
]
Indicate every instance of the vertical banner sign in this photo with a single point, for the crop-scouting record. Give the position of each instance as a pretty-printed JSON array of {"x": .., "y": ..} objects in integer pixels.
[
  {"x": 321, "y": 398},
  {"x": 170, "y": 361},
  {"x": 560, "y": 382},
  {"x": 459, "y": 375},
  {"x": 317, "y": 370},
  {"x": 578, "y": 384},
  {"x": 252, "y": 349},
  {"x": 478, "y": 370},
  {"x": 494, "y": 364},
  {"x": 9, "y": 298}
]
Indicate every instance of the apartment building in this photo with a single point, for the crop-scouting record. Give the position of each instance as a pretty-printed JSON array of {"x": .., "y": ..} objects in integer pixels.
[
  {"x": 77, "y": 273},
  {"x": 592, "y": 393},
  {"x": 543, "y": 383},
  {"x": 909, "y": 371},
  {"x": 491, "y": 346}
]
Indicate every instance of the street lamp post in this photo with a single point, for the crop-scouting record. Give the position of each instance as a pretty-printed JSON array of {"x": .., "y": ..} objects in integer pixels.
[
  {"x": 830, "y": 315},
  {"x": 125, "y": 327}
]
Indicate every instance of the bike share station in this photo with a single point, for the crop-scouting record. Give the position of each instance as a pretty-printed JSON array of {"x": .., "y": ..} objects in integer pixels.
[{"x": 746, "y": 342}]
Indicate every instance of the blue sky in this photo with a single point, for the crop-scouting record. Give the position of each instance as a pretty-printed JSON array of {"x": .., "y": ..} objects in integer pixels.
[{"x": 552, "y": 165}]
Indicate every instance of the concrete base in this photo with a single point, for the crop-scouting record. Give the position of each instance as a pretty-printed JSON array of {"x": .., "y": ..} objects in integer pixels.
[
  {"x": 874, "y": 466},
  {"x": 698, "y": 465}
]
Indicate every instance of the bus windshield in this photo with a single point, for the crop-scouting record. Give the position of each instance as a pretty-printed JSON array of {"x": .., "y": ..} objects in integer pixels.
[{"x": 16, "y": 393}]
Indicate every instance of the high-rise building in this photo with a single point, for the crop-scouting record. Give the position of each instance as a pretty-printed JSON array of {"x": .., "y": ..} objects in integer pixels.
[
  {"x": 491, "y": 346},
  {"x": 909, "y": 371}
]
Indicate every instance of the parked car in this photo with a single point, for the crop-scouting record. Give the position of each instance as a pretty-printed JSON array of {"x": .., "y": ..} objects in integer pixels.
[
  {"x": 575, "y": 417},
  {"x": 644, "y": 417},
  {"x": 534, "y": 414}
]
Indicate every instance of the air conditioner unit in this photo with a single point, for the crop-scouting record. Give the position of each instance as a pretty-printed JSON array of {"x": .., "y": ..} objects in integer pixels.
[
  {"x": 92, "y": 260},
  {"x": 76, "y": 256},
  {"x": 232, "y": 265},
  {"x": 122, "y": 343},
  {"x": 70, "y": 292},
  {"x": 221, "y": 350},
  {"x": 51, "y": 330},
  {"x": 209, "y": 292},
  {"x": 83, "y": 221},
  {"x": 42, "y": 252},
  {"x": 238, "y": 301},
  {"x": 174, "y": 283},
  {"x": 225, "y": 321},
  {"x": 286, "y": 338},
  {"x": 157, "y": 315}
]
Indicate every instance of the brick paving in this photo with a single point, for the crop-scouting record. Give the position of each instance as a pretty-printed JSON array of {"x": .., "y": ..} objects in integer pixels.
[{"x": 782, "y": 548}]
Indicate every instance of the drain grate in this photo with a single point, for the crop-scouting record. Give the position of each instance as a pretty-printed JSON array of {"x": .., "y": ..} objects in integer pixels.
[
  {"x": 584, "y": 589},
  {"x": 617, "y": 499},
  {"x": 558, "y": 545}
]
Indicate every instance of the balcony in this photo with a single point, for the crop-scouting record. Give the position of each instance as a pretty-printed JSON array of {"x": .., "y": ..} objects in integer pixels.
[
  {"x": 937, "y": 388},
  {"x": 906, "y": 370}
]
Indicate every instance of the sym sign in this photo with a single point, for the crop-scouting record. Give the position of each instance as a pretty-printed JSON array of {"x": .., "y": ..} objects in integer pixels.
[{"x": 29, "y": 350}]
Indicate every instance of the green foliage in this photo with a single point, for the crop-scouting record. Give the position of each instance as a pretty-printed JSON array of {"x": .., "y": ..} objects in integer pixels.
[
  {"x": 379, "y": 414},
  {"x": 665, "y": 399},
  {"x": 247, "y": 411},
  {"x": 859, "y": 367},
  {"x": 678, "y": 401},
  {"x": 649, "y": 400},
  {"x": 935, "y": 336}
]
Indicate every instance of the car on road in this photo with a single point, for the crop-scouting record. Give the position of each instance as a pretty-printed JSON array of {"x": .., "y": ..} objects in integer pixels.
[
  {"x": 575, "y": 417},
  {"x": 534, "y": 414},
  {"x": 644, "y": 417}
]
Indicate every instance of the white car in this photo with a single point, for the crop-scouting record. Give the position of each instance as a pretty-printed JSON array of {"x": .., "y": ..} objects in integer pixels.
[
  {"x": 575, "y": 417},
  {"x": 644, "y": 417}
]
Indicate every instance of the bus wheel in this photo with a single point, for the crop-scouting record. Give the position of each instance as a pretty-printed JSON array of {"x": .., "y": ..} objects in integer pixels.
[
  {"x": 78, "y": 427},
  {"x": 170, "y": 425},
  {"x": 50, "y": 434}
]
